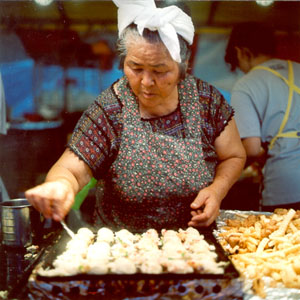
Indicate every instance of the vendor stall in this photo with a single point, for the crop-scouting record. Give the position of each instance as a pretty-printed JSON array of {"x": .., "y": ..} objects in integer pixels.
[
  {"x": 157, "y": 163},
  {"x": 41, "y": 271}
]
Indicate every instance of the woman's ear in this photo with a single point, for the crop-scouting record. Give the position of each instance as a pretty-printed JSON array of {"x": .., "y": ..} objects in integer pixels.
[
  {"x": 243, "y": 53},
  {"x": 238, "y": 52},
  {"x": 248, "y": 53},
  {"x": 244, "y": 58}
]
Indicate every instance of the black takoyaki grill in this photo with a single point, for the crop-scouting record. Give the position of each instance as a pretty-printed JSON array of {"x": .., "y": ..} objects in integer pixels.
[{"x": 137, "y": 286}]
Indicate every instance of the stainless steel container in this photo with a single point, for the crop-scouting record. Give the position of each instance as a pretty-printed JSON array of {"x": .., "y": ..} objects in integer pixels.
[{"x": 16, "y": 222}]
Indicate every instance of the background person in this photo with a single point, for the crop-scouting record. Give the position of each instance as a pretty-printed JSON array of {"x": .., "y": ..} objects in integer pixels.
[
  {"x": 164, "y": 143},
  {"x": 267, "y": 107}
]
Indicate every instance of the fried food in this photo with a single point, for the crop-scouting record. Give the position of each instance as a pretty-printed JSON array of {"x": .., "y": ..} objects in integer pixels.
[{"x": 265, "y": 246}]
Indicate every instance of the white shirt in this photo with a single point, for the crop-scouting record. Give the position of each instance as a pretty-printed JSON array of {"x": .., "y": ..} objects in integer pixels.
[{"x": 260, "y": 99}]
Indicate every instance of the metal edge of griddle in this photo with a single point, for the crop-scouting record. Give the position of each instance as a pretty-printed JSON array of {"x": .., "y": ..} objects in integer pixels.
[{"x": 18, "y": 291}]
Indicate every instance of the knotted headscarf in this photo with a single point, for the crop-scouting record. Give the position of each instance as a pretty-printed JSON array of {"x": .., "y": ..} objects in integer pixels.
[{"x": 167, "y": 21}]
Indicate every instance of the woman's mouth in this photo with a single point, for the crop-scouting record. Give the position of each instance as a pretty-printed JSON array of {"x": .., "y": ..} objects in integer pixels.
[{"x": 148, "y": 95}]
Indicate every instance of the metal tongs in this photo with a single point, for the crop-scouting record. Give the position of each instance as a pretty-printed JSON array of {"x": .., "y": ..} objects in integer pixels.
[{"x": 68, "y": 230}]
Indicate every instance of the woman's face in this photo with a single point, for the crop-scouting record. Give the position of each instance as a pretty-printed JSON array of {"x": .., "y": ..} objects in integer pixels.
[{"x": 152, "y": 73}]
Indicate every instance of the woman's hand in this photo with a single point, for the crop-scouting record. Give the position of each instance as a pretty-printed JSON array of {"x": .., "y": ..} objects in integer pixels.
[
  {"x": 53, "y": 199},
  {"x": 206, "y": 208}
]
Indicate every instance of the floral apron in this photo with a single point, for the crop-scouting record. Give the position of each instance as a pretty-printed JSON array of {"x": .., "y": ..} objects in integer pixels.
[{"x": 155, "y": 177}]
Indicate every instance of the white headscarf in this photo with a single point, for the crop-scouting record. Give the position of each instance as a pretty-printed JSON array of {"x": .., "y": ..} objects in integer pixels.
[{"x": 168, "y": 21}]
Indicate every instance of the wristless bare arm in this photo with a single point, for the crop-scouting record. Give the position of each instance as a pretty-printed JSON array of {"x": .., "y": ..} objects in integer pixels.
[
  {"x": 64, "y": 180},
  {"x": 232, "y": 157}
]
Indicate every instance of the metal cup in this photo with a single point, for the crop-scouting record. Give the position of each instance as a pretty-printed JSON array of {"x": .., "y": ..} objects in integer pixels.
[{"x": 16, "y": 222}]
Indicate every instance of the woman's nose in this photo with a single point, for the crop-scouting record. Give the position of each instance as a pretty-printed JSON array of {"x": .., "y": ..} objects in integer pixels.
[{"x": 147, "y": 79}]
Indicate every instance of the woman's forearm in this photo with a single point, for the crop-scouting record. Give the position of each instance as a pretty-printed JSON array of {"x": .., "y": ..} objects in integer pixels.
[
  {"x": 54, "y": 197},
  {"x": 62, "y": 174},
  {"x": 227, "y": 173},
  {"x": 71, "y": 170}
]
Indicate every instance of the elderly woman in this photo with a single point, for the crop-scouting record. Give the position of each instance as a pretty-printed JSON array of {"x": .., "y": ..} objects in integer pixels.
[{"x": 164, "y": 143}]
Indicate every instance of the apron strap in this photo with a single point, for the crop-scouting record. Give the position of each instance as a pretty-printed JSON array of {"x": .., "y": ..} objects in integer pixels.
[{"x": 292, "y": 88}]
